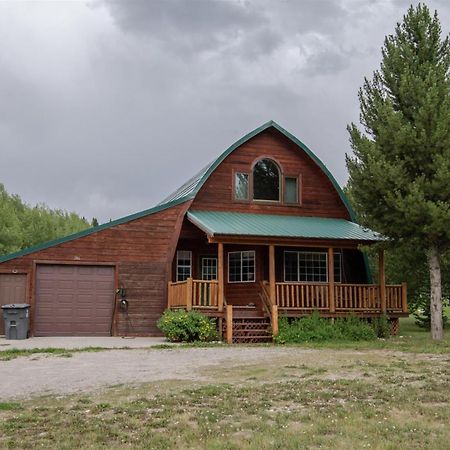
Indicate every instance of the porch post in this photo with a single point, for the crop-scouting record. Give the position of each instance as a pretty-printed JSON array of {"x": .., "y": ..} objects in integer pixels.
[
  {"x": 382, "y": 280},
  {"x": 189, "y": 294},
  {"x": 272, "y": 274},
  {"x": 331, "y": 300},
  {"x": 404, "y": 298},
  {"x": 220, "y": 277}
]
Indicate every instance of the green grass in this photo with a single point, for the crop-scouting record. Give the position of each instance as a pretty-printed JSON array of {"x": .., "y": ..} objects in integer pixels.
[
  {"x": 411, "y": 338},
  {"x": 398, "y": 403},
  {"x": 7, "y": 355}
]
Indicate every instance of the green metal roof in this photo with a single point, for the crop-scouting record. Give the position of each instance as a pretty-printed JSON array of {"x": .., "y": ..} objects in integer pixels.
[
  {"x": 189, "y": 189},
  {"x": 216, "y": 223},
  {"x": 89, "y": 231}
]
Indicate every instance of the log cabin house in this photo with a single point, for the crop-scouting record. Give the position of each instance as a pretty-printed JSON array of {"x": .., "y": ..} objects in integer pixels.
[{"x": 262, "y": 231}]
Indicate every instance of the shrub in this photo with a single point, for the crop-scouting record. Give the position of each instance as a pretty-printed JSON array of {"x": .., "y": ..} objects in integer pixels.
[
  {"x": 422, "y": 314},
  {"x": 381, "y": 326},
  {"x": 187, "y": 326},
  {"x": 313, "y": 328}
]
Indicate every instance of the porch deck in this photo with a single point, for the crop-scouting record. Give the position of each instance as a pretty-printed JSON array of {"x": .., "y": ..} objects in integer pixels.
[{"x": 294, "y": 300}]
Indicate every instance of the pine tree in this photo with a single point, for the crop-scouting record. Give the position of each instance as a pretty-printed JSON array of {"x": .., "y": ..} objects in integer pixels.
[{"x": 400, "y": 170}]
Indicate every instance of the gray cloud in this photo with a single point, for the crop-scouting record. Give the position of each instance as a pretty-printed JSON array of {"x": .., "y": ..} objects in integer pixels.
[{"x": 106, "y": 107}]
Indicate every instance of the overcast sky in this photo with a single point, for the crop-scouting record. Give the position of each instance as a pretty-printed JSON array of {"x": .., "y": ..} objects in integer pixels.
[{"x": 107, "y": 107}]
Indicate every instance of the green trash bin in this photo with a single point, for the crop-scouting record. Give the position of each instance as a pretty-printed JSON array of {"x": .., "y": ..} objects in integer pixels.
[{"x": 16, "y": 318}]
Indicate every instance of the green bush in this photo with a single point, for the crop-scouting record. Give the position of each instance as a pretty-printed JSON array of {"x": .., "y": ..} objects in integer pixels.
[
  {"x": 314, "y": 328},
  {"x": 422, "y": 314},
  {"x": 187, "y": 326},
  {"x": 381, "y": 326}
]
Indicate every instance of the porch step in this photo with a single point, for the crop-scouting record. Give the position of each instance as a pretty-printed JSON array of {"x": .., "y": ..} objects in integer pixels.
[{"x": 251, "y": 330}]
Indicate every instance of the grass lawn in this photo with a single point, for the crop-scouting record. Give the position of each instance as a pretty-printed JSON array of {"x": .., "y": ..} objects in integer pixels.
[{"x": 370, "y": 398}]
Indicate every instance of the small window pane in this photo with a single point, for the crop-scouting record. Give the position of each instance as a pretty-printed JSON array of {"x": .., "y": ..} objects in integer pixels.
[
  {"x": 290, "y": 190},
  {"x": 337, "y": 267},
  {"x": 241, "y": 186}
]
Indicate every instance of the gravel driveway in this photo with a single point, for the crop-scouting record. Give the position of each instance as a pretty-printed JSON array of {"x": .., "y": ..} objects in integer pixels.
[{"x": 49, "y": 374}]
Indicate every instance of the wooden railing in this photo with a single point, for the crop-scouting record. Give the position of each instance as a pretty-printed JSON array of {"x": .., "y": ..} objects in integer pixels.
[
  {"x": 356, "y": 297},
  {"x": 192, "y": 293},
  {"x": 306, "y": 296},
  {"x": 347, "y": 297}
]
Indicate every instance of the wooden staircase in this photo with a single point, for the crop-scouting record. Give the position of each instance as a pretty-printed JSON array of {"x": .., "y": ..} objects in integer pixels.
[{"x": 250, "y": 325}]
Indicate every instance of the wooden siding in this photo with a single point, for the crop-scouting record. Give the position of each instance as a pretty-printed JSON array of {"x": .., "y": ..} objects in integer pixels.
[
  {"x": 319, "y": 198},
  {"x": 142, "y": 252}
]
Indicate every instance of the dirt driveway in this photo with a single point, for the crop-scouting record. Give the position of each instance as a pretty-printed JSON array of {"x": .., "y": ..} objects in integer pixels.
[{"x": 41, "y": 374}]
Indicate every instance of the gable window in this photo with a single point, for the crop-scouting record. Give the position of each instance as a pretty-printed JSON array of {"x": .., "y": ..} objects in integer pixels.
[
  {"x": 291, "y": 190},
  {"x": 241, "y": 267},
  {"x": 184, "y": 265},
  {"x": 241, "y": 186},
  {"x": 266, "y": 180},
  {"x": 310, "y": 267}
]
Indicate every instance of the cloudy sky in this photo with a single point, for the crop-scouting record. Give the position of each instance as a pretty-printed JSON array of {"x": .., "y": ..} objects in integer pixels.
[{"x": 106, "y": 107}]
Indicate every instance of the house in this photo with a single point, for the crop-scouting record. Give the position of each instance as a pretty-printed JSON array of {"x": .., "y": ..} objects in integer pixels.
[{"x": 264, "y": 230}]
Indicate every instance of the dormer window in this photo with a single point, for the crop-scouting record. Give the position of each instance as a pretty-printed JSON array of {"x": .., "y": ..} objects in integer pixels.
[{"x": 266, "y": 180}]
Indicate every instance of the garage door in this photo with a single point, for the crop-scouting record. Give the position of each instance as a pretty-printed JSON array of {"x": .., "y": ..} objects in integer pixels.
[
  {"x": 12, "y": 290},
  {"x": 74, "y": 300}
]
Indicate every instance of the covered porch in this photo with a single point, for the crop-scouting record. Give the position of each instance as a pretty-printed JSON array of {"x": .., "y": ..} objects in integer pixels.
[{"x": 280, "y": 275}]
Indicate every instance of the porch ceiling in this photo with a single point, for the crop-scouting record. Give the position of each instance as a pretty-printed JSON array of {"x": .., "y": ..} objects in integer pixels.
[{"x": 224, "y": 223}]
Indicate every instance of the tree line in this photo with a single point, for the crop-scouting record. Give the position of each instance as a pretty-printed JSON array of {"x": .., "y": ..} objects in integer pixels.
[{"x": 22, "y": 225}]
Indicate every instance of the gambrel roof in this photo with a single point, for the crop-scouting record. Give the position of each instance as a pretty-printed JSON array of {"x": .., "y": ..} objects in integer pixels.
[{"x": 189, "y": 190}]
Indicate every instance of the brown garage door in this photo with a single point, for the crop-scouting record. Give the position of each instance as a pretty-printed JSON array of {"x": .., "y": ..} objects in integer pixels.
[
  {"x": 12, "y": 290},
  {"x": 74, "y": 300}
]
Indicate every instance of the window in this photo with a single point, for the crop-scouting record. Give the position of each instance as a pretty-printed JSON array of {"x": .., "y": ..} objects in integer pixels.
[
  {"x": 209, "y": 268},
  {"x": 184, "y": 265},
  {"x": 241, "y": 267},
  {"x": 266, "y": 180},
  {"x": 291, "y": 190},
  {"x": 310, "y": 266},
  {"x": 241, "y": 186}
]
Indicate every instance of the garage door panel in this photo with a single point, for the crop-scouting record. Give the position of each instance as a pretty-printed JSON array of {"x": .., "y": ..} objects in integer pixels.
[{"x": 74, "y": 300}]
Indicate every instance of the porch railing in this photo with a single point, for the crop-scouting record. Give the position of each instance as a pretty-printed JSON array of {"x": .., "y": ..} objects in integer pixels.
[
  {"x": 347, "y": 297},
  {"x": 307, "y": 296},
  {"x": 193, "y": 294}
]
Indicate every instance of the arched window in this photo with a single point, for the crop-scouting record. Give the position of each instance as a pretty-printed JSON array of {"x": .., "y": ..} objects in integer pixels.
[{"x": 266, "y": 180}]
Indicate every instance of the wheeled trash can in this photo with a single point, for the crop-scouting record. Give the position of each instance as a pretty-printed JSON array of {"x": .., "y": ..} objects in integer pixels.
[{"x": 16, "y": 318}]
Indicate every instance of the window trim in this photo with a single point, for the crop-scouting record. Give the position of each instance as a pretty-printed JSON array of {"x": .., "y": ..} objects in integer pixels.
[
  {"x": 254, "y": 266},
  {"x": 190, "y": 264},
  {"x": 339, "y": 254}
]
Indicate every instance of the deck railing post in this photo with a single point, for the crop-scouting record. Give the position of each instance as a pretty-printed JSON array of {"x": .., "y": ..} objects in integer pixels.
[
  {"x": 274, "y": 320},
  {"x": 404, "y": 297},
  {"x": 331, "y": 300},
  {"x": 229, "y": 320},
  {"x": 169, "y": 294},
  {"x": 189, "y": 294},
  {"x": 382, "y": 281},
  {"x": 220, "y": 277},
  {"x": 272, "y": 274}
]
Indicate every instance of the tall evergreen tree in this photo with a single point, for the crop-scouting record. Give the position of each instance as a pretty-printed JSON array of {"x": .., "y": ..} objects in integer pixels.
[{"x": 400, "y": 170}]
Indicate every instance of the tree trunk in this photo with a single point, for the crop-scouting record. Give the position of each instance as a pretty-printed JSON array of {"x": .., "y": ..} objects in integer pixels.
[{"x": 436, "y": 297}]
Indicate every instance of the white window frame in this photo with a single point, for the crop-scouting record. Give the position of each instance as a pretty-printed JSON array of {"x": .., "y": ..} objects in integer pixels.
[
  {"x": 190, "y": 262},
  {"x": 210, "y": 258},
  {"x": 254, "y": 266},
  {"x": 336, "y": 255}
]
